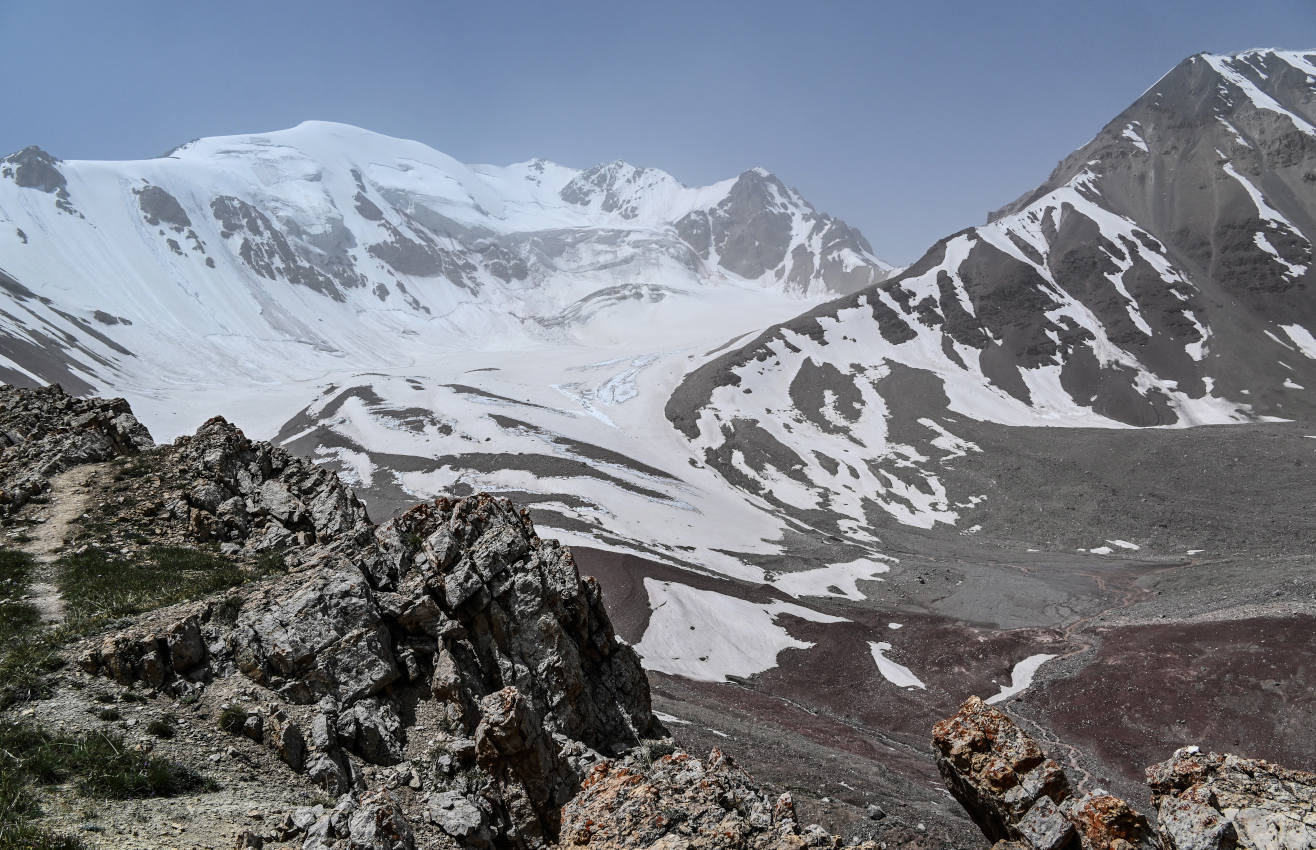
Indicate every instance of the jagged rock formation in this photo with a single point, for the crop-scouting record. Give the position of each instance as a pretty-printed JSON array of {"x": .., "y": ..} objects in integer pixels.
[
  {"x": 451, "y": 640},
  {"x": 45, "y": 431},
  {"x": 215, "y": 487},
  {"x": 1208, "y": 801},
  {"x": 1022, "y": 799},
  {"x": 255, "y": 497},
  {"x": 1161, "y": 276},
  {"x": 681, "y": 801}
]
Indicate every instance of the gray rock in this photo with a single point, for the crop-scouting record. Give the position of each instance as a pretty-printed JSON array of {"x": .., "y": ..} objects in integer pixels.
[
  {"x": 1188, "y": 825},
  {"x": 456, "y": 815},
  {"x": 1209, "y": 800},
  {"x": 49, "y": 432},
  {"x": 378, "y": 824},
  {"x": 376, "y": 731},
  {"x": 1045, "y": 828}
]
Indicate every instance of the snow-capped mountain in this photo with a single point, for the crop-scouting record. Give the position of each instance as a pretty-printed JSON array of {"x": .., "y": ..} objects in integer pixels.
[
  {"x": 429, "y": 327},
  {"x": 1160, "y": 277},
  {"x": 332, "y": 239},
  {"x": 424, "y": 325}
]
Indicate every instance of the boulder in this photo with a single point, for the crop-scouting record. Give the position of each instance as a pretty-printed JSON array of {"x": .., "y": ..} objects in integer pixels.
[
  {"x": 682, "y": 801},
  {"x": 996, "y": 771},
  {"x": 1209, "y": 801}
]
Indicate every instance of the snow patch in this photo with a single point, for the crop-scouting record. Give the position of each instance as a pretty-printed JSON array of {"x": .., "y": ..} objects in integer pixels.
[
  {"x": 896, "y": 674},
  {"x": 708, "y": 636},
  {"x": 1302, "y": 338},
  {"x": 1132, "y": 135},
  {"x": 834, "y": 580},
  {"x": 1021, "y": 677}
]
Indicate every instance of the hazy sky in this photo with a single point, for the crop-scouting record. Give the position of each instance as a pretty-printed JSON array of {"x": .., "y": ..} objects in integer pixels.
[{"x": 910, "y": 120}]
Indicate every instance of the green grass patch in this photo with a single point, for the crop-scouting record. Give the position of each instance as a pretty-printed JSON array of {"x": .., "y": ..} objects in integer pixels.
[
  {"x": 26, "y": 836},
  {"x": 17, "y": 617},
  {"x": 99, "y": 588},
  {"x": 161, "y": 727},
  {"x": 97, "y": 764},
  {"x": 25, "y": 662},
  {"x": 27, "y": 652}
]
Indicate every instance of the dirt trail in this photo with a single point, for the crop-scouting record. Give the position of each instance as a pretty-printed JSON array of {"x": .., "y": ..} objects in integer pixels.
[{"x": 69, "y": 498}]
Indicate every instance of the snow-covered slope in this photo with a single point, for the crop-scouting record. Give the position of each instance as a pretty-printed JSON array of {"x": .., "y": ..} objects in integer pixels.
[
  {"x": 592, "y": 343},
  {"x": 1160, "y": 277},
  {"x": 425, "y": 325},
  {"x": 327, "y": 241}
]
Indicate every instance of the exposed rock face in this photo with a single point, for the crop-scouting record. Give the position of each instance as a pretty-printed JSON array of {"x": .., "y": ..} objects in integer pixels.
[
  {"x": 261, "y": 497},
  {"x": 1207, "y": 801},
  {"x": 1021, "y": 799},
  {"x": 999, "y": 774},
  {"x": 524, "y": 616},
  {"x": 1016, "y": 794},
  {"x": 44, "y": 431},
  {"x": 451, "y": 642},
  {"x": 217, "y": 487},
  {"x": 681, "y": 801},
  {"x": 33, "y": 168},
  {"x": 372, "y": 821},
  {"x": 1161, "y": 276}
]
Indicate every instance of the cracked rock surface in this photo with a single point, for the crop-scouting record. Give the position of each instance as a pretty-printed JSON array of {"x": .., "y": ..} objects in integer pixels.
[{"x": 1205, "y": 801}]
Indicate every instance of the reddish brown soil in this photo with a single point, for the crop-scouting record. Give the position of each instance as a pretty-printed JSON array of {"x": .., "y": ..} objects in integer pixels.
[{"x": 1243, "y": 686}]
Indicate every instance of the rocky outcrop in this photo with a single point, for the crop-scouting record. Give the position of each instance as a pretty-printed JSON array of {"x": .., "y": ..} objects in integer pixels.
[
  {"x": 1014, "y": 793},
  {"x": 1022, "y": 800},
  {"x": 218, "y": 488},
  {"x": 451, "y": 644},
  {"x": 258, "y": 497},
  {"x": 1207, "y": 801},
  {"x": 1000, "y": 775},
  {"x": 373, "y": 820},
  {"x": 44, "y": 431},
  {"x": 681, "y": 801}
]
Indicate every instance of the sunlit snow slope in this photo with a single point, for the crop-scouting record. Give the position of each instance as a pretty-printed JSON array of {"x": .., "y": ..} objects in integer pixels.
[{"x": 424, "y": 325}]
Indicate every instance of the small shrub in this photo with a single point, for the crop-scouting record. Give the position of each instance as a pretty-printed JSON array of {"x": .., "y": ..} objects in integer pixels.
[
  {"x": 17, "y": 618},
  {"x": 137, "y": 467},
  {"x": 25, "y": 662},
  {"x": 131, "y": 696},
  {"x": 232, "y": 719},
  {"x": 109, "y": 714},
  {"x": 270, "y": 564},
  {"x": 105, "y": 698},
  {"x": 25, "y": 836},
  {"x": 161, "y": 727}
]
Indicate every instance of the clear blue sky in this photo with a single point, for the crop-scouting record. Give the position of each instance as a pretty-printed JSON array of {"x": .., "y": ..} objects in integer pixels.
[{"x": 910, "y": 120}]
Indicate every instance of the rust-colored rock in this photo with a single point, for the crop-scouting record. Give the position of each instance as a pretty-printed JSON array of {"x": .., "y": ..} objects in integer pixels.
[
  {"x": 681, "y": 801},
  {"x": 995, "y": 770},
  {"x": 1105, "y": 821}
]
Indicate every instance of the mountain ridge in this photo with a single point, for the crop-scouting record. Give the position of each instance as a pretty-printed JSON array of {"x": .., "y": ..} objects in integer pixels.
[{"x": 1153, "y": 280}]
